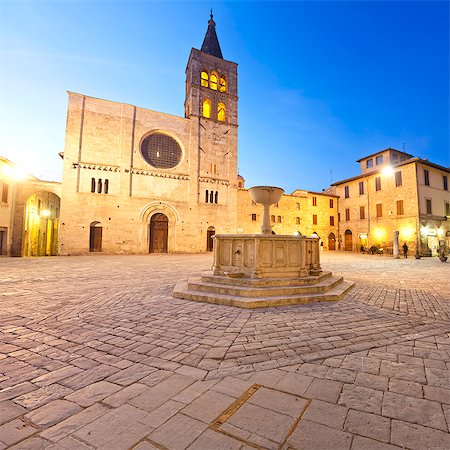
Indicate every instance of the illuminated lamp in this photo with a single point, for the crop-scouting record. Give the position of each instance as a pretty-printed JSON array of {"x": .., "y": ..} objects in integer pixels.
[
  {"x": 14, "y": 172},
  {"x": 388, "y": 170},
  {"x": 45, "y": 213}
]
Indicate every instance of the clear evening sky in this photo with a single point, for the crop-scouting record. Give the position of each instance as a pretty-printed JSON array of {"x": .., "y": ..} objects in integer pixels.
[{"x": 321, "y": 84}]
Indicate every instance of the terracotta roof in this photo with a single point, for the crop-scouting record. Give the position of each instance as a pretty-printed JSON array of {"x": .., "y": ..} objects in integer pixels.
[{"x": 381, "y": 151}]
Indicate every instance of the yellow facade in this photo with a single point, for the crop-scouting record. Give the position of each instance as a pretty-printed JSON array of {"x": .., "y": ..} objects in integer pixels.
[{"x": 393, "y": 196}]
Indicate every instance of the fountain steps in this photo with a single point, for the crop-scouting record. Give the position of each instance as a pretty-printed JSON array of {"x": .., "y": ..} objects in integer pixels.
[{"x": 197, "y": 289}]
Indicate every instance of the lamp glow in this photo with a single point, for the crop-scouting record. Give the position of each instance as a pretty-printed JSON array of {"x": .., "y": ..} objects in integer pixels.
[
  {"x": 13, "y": 172},
  {"x": 45, "y": 213},
  {"x": 388, "y": 170}
]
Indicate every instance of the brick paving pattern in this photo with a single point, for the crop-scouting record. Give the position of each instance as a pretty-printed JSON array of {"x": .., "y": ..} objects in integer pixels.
[{"x": 95, "y": 353}]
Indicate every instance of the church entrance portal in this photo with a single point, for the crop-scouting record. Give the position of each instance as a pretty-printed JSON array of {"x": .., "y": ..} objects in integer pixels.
[
  {"x": 348, "y": 241},
  {"x": 331, "y": 241},
  {"x": 95, "y": 237},
  {"x": 159, "y": 225},
  {"x": 209, "y": 240}
]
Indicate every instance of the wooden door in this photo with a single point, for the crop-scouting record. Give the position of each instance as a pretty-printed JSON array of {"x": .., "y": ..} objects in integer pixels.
[
  {"x": 331, "y": 241},
  {"x": 95, "y": 239},
  {"x": 348, "y": 241},
  {"x": 209, "y": 240},
  {"x": 159, "y": 226}
]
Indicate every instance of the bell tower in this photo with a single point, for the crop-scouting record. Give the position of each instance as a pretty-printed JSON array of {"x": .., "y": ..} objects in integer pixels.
[{"x": 211, "y": 82}]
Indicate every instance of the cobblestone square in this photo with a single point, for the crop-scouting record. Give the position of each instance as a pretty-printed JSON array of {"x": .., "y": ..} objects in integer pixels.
[{"x": 96, "y": 353}]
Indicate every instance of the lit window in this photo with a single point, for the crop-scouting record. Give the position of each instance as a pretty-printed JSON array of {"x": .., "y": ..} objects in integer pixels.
[
  {"x": 205, "y": 78},
  {"x": 213, "y": 168},
  {"x": 213, "y": 81},
  {"x": 221, "y": 116},
  {"x": 207, "y": 108},
  {"x": 222, "y": 84}
]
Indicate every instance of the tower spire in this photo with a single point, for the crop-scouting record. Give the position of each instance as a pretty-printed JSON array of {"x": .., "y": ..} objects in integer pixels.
[{"x": 211, "y": 44}]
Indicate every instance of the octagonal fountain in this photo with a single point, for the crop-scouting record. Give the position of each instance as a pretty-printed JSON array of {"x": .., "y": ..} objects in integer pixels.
[{"x": 260, "y": 270}]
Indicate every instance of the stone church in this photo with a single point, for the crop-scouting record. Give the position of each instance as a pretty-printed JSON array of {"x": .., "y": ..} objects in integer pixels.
[{"x": 139, "y": 181}]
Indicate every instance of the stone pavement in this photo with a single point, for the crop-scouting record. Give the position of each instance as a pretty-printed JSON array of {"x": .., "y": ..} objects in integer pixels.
[{"x": 95, "y": 353}]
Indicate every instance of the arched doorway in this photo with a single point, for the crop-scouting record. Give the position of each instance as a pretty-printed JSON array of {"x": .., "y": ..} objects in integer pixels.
[
  {"x": 95, "y": 237},
  {"x": 331, "y": 241},
  {"x": 159, "y": 226},
  {"x": 348, "y": 243},
  {"x": 41, "y": 224},
  {"x": 209, "y": 240}
]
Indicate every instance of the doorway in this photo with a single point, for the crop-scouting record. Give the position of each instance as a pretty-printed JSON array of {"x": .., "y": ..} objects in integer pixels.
[
  {"x": 95, "y": 237},
  {"x": 209, "y": 239},
  {"x": 159, "y": 226},
  {"x": 2, "y": 241},
  {"x": 331, "y": 241},
  {"x": 348, "y": 243}
]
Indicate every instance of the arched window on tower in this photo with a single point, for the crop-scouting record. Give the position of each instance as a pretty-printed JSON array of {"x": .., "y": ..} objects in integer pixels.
[
  {"x": 106, "y": 186},
  {"x": 222, "y": 84},
  {"x": 92, "y": 184},
  {"x": 207, "y": 108},
  {"x": 221, "y": 113},
  {"x": 213, "y": 80},
  {"x": 99, "y": 186},
  {"x": 205, "y": 78}
]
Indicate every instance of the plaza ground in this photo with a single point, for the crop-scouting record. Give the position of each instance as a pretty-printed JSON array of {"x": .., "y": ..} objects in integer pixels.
[{"x": 95, "y": 353}]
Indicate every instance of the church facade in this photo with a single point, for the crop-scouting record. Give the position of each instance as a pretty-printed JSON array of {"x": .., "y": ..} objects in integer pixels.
[{"x": 140, "y": 181}]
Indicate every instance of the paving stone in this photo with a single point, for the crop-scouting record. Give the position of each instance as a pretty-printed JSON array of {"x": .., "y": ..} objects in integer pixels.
[
  {"x": 326, "y": 390},
  {"x": 42, "y": 396},
  {"x": 369, "y": 425},
  {"x": 89, "y": 376},
  {"x": 178, "y": 432},
  {"x": 372, "y": 381},
  {"x": 415, "y": 410},
  {"x": 417, "y": 437},
  {"x": 232, "y": 386},
  {"x": 163, "y": 391},
  {"x": 56, "y": 375},
  {"x": 344, "y": 375},
  {"x": 294, "y": 383},
  {"x": 15, "y": 431},
  {"x": 156, "y": 377},
  {"x": 145, "y": 445},
  {"x": 327, "y": 414},
  {"x": 438, "y": 377},
  {"x": 208, "y": 406},
  {"x": 161, "y": 414},
  {"x": 93, "y": 393},
  {"x": 131, "y": 374},
  {"x": 112, "y": 426},
  {"x": 437, "y": 394},
  {"x": 312, "y": 370},
  {"x": 15, "y": 391},
  {"x": 406, "y": 387},
  {"x": 73, "y": 423},
  {"x": 361, "y": 398},
  {"x": 262, "y": 422},
  {"x": 361, "y": 364},
  {"x": 315, "y": 436},
  {"x": 31, "y": 443},
  {"x": 363, "y": 443},
  {"x": 193, "y": 391},
  {"x": 268, "y": 378},
  {"x": 127, "y": 439},
  {"x": 52, "y": 413},
  {"x": 125, "y": 394},
  {"x": 9, "y": 410},
  {"x": 403, "y": 371},
  {"x": 214, "y": 440},
  {"x": 69, "y": 443}
]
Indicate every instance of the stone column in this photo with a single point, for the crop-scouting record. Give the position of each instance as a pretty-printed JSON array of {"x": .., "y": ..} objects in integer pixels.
[
  {"x": 396, "y": 246},
  {"x": 266, "y": 228}
]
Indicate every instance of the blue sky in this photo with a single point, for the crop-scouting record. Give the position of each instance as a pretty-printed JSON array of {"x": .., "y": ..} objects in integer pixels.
[{"x": 321, "y": 84}]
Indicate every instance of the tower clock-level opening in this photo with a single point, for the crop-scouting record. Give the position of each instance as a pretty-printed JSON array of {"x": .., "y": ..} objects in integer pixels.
[{"x": 159, "y": 228}]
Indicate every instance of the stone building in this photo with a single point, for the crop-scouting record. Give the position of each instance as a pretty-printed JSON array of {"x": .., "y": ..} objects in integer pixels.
[
  {"x": 302, "y": 212},
  {"x": 394, "y": 192},
  {"x": 139, "y": 181},
  {"x": 29, "y": 213}
]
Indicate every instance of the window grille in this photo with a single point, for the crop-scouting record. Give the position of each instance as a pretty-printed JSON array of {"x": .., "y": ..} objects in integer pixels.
[{"x": 161, "y": 151}]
